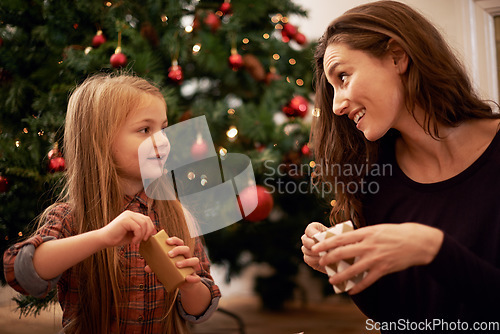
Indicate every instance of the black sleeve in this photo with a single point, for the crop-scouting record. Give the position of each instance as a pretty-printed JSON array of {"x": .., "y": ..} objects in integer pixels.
[{"x": 463, "y": 272}]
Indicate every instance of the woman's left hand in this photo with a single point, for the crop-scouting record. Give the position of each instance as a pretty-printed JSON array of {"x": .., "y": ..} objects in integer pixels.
[
  {"x": 382, "y": 249},
  {"x": 189, "y": 261}
]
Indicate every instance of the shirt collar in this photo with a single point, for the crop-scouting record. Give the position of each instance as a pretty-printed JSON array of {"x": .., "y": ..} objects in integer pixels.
[{"x": 138, "y": 199}]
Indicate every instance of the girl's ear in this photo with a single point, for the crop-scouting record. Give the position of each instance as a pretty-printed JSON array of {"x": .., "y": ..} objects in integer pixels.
[{"x": 398, "y": 55}]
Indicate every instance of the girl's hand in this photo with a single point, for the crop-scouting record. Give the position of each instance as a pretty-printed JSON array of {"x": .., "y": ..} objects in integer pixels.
[
  {"x": 189, "y": 261},
  {"x": 196, "y": 296},
  {"x": 382, "y": 249},
  {"x": 128, "y": 227},
  {"x": 312, "y": 257}
]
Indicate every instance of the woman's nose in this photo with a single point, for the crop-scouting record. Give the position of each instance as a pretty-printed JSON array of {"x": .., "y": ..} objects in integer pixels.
[{"x": 340, "y": 104}]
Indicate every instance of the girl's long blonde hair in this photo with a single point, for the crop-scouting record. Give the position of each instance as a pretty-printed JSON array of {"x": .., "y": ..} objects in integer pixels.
[{"x": 96, "y": 110}]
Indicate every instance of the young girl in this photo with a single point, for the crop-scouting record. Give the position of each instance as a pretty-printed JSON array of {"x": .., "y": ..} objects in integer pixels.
[
  {"x": 392, "y": 93},
  {"x": 88, "y": 243}
]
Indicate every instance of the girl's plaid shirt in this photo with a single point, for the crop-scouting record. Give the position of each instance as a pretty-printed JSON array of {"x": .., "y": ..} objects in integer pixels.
[{"x": 146, "y": 296}]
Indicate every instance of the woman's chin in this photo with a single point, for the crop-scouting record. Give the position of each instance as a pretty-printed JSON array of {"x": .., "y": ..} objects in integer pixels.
[{"x": 372, "y": 135}]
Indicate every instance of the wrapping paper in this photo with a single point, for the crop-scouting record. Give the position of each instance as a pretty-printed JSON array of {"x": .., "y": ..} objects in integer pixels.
[
  {"x": 155, "y": 252},
  {"x": 340, "y": 266}
]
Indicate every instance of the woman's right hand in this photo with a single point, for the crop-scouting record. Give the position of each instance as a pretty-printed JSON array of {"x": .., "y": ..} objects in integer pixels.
[
  {"x": 128, "y": 227},
  {"x": 310, "y": 257}
]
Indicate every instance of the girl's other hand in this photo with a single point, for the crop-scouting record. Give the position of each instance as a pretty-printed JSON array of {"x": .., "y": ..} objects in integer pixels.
[
  {"x": 128, "y": 227},
  {"x": 311, "y": 257},
  {"x": 189, "y": 261}
]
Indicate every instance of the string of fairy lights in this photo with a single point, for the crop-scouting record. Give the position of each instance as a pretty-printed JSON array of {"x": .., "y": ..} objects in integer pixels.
[{"x": 283, "y": 30}]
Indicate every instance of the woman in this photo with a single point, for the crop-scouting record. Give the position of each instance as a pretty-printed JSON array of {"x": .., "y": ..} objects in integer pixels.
[{"x": 391, "y": 93}]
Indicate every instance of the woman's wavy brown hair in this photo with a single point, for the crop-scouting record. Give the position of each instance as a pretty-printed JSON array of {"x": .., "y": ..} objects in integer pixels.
[
  {"x": 96, "y": 110},
  {"x": 435, "y": 81}
]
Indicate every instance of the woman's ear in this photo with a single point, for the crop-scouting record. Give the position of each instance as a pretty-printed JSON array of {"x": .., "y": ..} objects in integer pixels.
[{"x": 398, "y": 55}]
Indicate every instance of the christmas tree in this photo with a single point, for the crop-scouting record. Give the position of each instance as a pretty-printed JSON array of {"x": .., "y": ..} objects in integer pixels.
[{"x": 241, "y": 64}]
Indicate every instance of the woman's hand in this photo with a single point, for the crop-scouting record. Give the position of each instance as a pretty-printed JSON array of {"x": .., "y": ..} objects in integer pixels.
[
  {"x": 128, "y": 227},
  {"x": 382, "y": 249},
  {"x": 312, "y": 257}
]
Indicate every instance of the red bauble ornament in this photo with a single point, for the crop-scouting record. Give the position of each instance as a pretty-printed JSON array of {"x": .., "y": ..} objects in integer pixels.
[
  {"x": 287, "y": 110},
  {"x": 300, "y": 38},
  {"x": 264, "y": 203},
  {"x": 213, "y": 21},
  {"x": 299, "y": 106},
  {"x": 199, "y": 149},
  {"x": 175, "y": 73},
  {"x": 98, "y": 39},
  {"x": 235, "y": 60},
  {"x": 4, "y": 184},
  {"x": 305, "y": 149},
  {"x": 289, "y": 30},
  {"x": 284, "y": 36},
  {"x": 57, "y": 164},
  {"x": 225, "y": 8},
  {"x": 56, "y": 161},
  {"x": 118, "y": 59}
]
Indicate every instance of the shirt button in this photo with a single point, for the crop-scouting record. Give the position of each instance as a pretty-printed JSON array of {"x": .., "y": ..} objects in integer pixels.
[
  {"x": 140, "y": 319},
  {"x": 141, "y": 286}
]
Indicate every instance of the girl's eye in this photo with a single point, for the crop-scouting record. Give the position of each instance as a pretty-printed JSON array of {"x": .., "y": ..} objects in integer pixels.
[{"x": 144, "y": 130}]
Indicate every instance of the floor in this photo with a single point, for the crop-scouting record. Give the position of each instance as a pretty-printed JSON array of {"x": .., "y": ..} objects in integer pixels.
[
  {"x": 240, "y": 311},
  {"x": 334, "y": 314}
]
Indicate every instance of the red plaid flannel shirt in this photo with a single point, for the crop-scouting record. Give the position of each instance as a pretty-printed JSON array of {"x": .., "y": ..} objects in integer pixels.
[{"x": 146, "y": 294}]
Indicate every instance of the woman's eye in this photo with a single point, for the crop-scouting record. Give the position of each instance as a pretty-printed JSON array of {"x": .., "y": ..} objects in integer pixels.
[{"x": 342, "y": 76}]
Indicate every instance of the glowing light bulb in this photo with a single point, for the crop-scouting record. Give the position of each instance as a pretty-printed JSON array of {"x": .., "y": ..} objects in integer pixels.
[
  {"x": 222, "y": 152},
  {"x": 196, "y": 48},
  {"x": 232, "y": 132}
]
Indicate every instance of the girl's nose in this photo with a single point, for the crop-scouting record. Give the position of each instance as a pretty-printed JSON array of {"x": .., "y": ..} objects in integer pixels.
[
  {"x": 161, "y": 138},
  {"x": 161, "y": 144}
]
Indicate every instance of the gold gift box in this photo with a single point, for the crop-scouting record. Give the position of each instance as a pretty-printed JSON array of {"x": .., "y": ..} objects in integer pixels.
[{"x": 155, "y": 252}]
